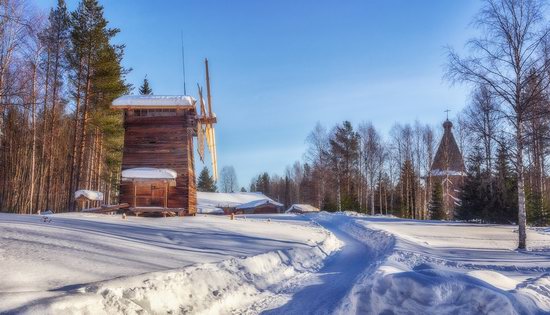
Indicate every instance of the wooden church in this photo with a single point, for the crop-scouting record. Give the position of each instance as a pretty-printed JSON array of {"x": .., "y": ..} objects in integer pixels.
[
  {"x": 158, "y": 169},
  {"x": 448, "y": 169}
]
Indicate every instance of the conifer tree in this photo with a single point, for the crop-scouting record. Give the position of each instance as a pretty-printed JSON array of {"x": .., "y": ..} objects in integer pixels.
[
  {"x": 145, "y": 88},
  {"x": 328, "y": 205},
  {"x": 409, "y": 185},
  {"x": 261, "y": 184},
  {"x": 436, "y": 207},
  {"x": 472, "y": 205},
  {"x": 344, "y": 154},
  {"x": 206, "y": 181},
  {"x": 505, "y": 188}
]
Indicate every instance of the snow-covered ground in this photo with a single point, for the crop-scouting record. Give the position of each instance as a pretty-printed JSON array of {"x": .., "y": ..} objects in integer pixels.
[
  {"x": 318, "y": 263},
  {"x": 453, "y": 268},
  {"x": 67, "y": 264},
  {"x": 396, "y": 266}
]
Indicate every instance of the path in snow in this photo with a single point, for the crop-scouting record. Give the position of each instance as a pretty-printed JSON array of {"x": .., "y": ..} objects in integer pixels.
[
  {"x": 338, "y": 275},
  {"x": 379, "y": 272}
]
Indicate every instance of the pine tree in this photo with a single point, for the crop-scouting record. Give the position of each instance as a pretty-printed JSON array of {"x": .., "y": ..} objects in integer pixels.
[
  {"x": 535, "y": 211},
  {"x": 262, "y": 184},
  {"x": 344, "y": 155},
  {"x": 145, "y": 89},
  {"x": 437, "y": 211},
  {"x": 409, "y": 185},
  {"x": 505, "y": 204},
  {"x": 472, "y": 203},
  {"x": 328, "y": 205},
  {"x": 206, "y": 182}
]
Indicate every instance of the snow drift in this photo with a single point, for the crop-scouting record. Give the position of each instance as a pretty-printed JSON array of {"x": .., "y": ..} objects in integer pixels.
[
  {"x": 434, "y": 291},
  {"x": 397, "y": 283},
  {"x": 209, "y": 288}
]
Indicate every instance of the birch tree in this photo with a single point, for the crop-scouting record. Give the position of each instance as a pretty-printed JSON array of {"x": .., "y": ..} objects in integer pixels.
[
  {"x": 371, "y": 142},
  {"x": 509, "y": 49},
  {"x": 228, "y": 180}
]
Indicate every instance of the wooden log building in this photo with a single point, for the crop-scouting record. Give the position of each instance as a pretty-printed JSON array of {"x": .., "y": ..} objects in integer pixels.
[
  {"x": 448, "y": 170},
  {"x": 158, "y": 172}
]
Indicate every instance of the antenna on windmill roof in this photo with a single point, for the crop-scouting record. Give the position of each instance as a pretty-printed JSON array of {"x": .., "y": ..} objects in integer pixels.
[{"x": 183, "y": 64}]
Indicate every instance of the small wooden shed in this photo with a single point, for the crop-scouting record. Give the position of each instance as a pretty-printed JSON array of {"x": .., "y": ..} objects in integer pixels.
[{"x": 260, "y": 207}]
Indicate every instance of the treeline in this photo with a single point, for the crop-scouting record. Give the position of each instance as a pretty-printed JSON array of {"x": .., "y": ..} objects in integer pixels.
[
  {"x": 356, "y": 168},
  {"x": 59, "y": 73}
]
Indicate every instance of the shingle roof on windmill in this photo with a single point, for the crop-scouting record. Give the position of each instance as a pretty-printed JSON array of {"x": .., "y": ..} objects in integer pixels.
[{"x": 448, "y": 159}]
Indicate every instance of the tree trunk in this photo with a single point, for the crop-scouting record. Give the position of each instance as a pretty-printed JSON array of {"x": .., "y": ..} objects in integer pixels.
[
  {"x": 522, "y": 216},
  {"x": 70, "y": 204},
  {"x": 33, "y": 157}
]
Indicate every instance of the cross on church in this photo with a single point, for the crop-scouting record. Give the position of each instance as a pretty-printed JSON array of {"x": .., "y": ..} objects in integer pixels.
[{"x": 447, "y": 111}]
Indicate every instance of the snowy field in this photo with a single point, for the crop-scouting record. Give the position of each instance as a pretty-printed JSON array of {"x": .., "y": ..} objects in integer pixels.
[
  {"x": 42, "y": 262},
  {"x": 458, "y": 268},
  {"x": 270, "y": 264}
]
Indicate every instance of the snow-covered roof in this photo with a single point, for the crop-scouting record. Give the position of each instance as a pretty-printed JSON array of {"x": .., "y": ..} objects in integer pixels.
[
  {"x": 149, "y": 173},
  {"x": 209, "y": 209},
  {"x": 258, "y": 203},
  {"x": 152, "y": 101},
  {"x": 222, "y": 200},
  {"x": 302, "y": 208},
  {"x": 88, "y": 194}
]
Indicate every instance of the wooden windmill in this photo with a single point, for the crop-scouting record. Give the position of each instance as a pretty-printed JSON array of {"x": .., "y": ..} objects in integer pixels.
[{"x": 158, "y": 169}]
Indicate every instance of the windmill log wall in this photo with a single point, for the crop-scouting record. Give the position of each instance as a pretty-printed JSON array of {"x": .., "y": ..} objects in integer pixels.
[{"x": 160, "y": 142}]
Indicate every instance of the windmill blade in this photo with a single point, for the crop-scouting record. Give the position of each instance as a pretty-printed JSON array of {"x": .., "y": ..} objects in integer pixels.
[
  {"x": 200, "y": 140},
  {"x": 208, "y": 119},
  {"x": 203, "y": 109},
  {"x": 212, "y": 148},
  {"x": 209, "y": 141},
  {"x": 214, "y": 155},
  {"x": 200, "y": 127}
]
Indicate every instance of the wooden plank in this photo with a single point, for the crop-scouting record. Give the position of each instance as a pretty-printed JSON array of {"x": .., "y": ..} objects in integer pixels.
[
  {"x": 115, "y": 207},
  {"x": 107, "y": 208},
  {"x": 166, "y": 195}
]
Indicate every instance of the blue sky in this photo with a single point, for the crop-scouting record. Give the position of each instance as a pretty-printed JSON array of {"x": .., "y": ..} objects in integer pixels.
[{"x": 279, "y": 66}]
